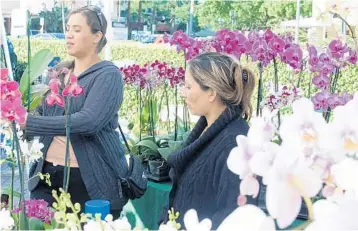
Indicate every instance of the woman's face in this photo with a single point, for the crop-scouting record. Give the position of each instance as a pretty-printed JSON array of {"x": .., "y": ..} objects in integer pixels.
[
  {"x": 79, "y": 37},
  {"x": 197, "y": 100}
]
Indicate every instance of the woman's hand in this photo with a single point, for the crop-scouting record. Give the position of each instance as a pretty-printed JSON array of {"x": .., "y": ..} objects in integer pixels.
[{"x": 23, "y": 125}]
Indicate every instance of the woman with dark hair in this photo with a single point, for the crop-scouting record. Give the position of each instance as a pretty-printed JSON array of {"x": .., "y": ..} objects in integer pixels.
[
  {"x": 218, "y": 89},
  {"x": 97, "y": 158}
]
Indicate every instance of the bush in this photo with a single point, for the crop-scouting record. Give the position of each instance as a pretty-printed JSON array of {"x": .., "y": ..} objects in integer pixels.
[{"x": 140, "y": 53}]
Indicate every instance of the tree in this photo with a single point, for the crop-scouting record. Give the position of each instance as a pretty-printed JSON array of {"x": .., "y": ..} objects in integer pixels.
[
  {"x": 53, "y": 20},
  {"x": 258, "y": 14}
]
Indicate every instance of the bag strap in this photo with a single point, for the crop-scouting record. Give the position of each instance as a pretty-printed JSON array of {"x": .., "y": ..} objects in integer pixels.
[{"x": 124, "y": 139}]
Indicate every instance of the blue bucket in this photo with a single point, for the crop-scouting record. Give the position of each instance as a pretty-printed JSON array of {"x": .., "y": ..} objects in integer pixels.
[{"x": 98, "y": 206}]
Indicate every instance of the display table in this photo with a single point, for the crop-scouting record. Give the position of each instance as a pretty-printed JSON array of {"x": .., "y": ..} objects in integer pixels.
[{"x": 145, "y": 212}]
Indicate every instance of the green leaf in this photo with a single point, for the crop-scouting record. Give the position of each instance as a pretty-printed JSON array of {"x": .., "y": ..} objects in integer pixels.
[
  {"x": 165, "y": 152},
  {"x": 23, "y": 221},
  {"x": 37, "y": 90},
  {"x": 35, "y": 102},
  {"x": 36, "y": 224},
  {"x": 175, "y": 145},
  {"x": 38, "y": 64},
  {"x": 2, "y": 161},
  {"x": 148, "y": 144},
  {"x": 48, "y": 226}
]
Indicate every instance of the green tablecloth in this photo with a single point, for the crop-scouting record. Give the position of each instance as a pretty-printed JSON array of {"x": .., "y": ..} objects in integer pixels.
[{"x": 145, "y": 212}]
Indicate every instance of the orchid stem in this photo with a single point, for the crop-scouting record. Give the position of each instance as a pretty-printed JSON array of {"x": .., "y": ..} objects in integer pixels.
[
  {"x": 12, "y": 175},
  {"x": 259, "y": 91},
  {"x": 28, "y": 60},
  {"x": 276, "y": 89},
  {"x": 21, "y": 176},
  {"x": 67, "y": 171},
  {"x": 306, "y": 199},
  {"x": 176, "y": 114}
]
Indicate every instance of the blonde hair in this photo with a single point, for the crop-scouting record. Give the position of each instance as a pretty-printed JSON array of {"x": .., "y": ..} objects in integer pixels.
[{"x": 224, "y": 74}]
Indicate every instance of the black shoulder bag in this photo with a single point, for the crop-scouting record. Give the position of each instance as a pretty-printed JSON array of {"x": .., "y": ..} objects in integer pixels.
[{"x": 134, "y": 184}]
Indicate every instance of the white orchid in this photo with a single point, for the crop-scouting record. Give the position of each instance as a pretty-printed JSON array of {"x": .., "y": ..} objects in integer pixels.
[
  {"x": 6, "y": 221},
  {"x": 191, "y": 222},
  {"x": 304, "y": 127},
  {"x": 34, "y": 153},
  {"x": 261, "y": 131},
  {"x": 170, "y": 226},
  {"x": 345, "y": 175},
  {"x": 329, "y": 215},
  {"x": 247, "y": 217},
  {"x": 342, "y": 137},
  {"x": 288, "y": 181},
  {"x": 35, "y": 150}
]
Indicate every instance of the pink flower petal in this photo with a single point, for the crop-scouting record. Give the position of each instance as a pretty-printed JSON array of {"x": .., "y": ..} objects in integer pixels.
[
  {"x": 3, "y": 73},
  {"x": 241, "y": 200}
]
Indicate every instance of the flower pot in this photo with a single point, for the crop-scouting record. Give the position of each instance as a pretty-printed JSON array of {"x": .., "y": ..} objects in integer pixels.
[{"x": 158, "y": 170}]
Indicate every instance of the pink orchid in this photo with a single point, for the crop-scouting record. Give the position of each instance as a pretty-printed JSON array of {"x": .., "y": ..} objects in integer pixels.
[
  {"x": 13, "y": 111},
  {"x": 337, "y": 49},
  {"x": 320, "y": 101},
  {"x": 352, "y": 56},
  {"x": 312, "y": 51},
  {"x": 3, "y": 74},
  {"x": 37, "y": 209},
  {"x": 277, "y": 44},
  {"x": 73, "y": 88},
  {"x": 321, "y": 81},
  {"x": 268, "y": 35},
  {"x": 54, "y": 97},
  {"x": 293, "y": 56},
  {"x": 9, "y": 90}
]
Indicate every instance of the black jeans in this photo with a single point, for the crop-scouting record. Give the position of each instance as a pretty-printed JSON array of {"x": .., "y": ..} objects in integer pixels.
[{"x": 76, "y": 188}]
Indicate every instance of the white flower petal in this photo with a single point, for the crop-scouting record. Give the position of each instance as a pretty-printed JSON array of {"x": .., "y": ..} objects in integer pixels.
[
  {"x": 345, "y": 174},
  {"x": 247, "y": 217},
  {"x": 191, "y": 218},
  {"x": 249, "y": 186},
  {"x": 283, "y": 202},
  {"x": 237, "y": 162},
  {"x": 309, "y": 180}
]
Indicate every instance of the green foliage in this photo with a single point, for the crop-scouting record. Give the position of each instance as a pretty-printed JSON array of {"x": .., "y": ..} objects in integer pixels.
[
  {"x": 38, "y": 64},
  {"x": 249, "y": 14},
  {"x": 52, "y": 20},
  {"x": 120, "y": 50}
]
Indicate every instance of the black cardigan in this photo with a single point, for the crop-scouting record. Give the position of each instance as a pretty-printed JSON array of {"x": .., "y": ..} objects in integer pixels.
[{"x": 201, "y": 178}]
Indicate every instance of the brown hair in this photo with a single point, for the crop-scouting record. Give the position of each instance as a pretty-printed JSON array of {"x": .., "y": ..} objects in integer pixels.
[
  {"x": 224, "y": 74},
  {"x": 96, "y": 20}
]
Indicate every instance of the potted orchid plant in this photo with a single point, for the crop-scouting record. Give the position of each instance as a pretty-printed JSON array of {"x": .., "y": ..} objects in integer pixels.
[{"x": 147, "y": 79}]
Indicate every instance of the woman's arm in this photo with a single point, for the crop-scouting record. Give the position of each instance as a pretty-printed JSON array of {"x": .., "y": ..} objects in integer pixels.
[{"x": 101, "y": 104}]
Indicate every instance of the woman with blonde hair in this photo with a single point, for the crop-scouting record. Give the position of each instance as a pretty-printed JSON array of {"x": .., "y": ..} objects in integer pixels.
[{"x": 218, "y": 89}]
